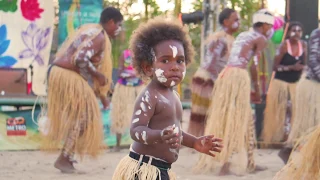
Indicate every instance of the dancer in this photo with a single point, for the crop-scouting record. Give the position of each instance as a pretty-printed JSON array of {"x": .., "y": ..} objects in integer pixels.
[
  {"x": 82, "y": 67},
  {"x": 125, "y": 93},
  {"x": 307, "y": 98},
  {"x": 162, "y": 48},
  {"x": 230, "y": 114},
  {"x": 218, "y": 47},
  {"x": 288, "y": 66}
]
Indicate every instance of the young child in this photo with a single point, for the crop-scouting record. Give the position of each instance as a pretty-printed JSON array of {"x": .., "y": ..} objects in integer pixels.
[{"x": 161, "y": 50}]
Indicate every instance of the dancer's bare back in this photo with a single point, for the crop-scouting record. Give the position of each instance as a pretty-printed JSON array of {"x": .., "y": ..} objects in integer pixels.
[{"x": 246, "y": 45}]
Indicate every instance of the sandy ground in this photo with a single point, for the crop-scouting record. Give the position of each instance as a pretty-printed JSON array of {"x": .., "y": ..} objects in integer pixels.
[
  {"x": 36, "y": 165},
  {"x": 26, "y": 165}
]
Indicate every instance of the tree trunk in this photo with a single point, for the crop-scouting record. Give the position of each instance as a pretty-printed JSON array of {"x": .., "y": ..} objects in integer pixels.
[
  {"x": 177, "y": 7},
  {"x": 146, "y": 12}
]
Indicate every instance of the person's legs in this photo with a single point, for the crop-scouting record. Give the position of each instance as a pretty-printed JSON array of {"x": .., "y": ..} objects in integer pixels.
[
  {"x": 117, "y": 147},
  {"x": 65, "y": 161}
]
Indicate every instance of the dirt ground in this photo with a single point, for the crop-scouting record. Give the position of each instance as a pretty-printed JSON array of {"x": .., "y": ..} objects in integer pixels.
[
  {"x": 36, "y": 165},
  {"x": 27, "y": 165}
]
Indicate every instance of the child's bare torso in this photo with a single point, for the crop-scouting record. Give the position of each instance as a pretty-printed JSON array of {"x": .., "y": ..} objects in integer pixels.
[{"x": 168, "y": 112}]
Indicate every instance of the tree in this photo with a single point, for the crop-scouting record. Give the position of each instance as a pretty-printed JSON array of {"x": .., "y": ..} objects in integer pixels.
[
  {"x": 246, "y": 9},
  {"x": 151, "y": 9}
]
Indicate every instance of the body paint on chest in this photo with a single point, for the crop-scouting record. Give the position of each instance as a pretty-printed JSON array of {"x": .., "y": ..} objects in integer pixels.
[{"x": 144, "y": 136}]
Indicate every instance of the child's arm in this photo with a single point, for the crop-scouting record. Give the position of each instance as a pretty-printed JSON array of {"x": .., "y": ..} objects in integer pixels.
[
  {"x": 140, "y": 132},
  {"x": 203, "y": 144}
]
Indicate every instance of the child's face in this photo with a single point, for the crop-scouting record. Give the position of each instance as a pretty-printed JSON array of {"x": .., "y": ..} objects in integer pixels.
[{"x": 169, "y": 67}]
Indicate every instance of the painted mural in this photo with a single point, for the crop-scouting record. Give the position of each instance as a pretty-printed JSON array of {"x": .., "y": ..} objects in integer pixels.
[
  {"x": 26, "y": 28},
  {"x": 74, "y": 13}
]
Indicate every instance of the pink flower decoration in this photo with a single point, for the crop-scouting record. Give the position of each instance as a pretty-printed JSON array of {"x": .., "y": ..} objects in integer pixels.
[{"x": 30, "y": 9}]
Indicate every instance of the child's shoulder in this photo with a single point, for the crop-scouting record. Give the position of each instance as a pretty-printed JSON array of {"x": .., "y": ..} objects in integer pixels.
[{"x": 176, "y": 93}]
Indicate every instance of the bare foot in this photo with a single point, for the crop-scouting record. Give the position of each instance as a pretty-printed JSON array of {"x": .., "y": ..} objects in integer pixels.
[
  {"x": 116, "y": 149},
  {"x": 64, "y": 165},
  {"x": 225, "y": 169},
  {"x": 260, "y": 168},
  {"x": 284, "y": 154}
]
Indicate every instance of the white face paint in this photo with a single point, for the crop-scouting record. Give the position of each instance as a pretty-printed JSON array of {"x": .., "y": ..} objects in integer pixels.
[
  {"x": 183, "y": 74},
  {"x": 138, "y": 112},
  {"x": 144, "y": 136},
  {"x": 142, "y": 99},
  {"x": 137, "y": 135},
  {"x": 117, "y": 32},
  {"x": 156, "y": 97},
  {"x": 270, "y": 33},
  {"x": 174, "y": 51},
  {"x": 143, "y": 107},
  {"x": 149, "y": 107},
  {"x": 172, "y": 83},
  {"x": 235, "y": 25},
  {"x": 160, "y": 76},
  {"x": 135, "y": 120}
]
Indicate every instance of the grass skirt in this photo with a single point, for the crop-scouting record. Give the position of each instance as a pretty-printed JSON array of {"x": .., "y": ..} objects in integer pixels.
[
  {"x": 307, "y": 109},
  {"x": 230, "y": 118},
  {"x": 201, "y": 87},
  {"x": 304, "y": 163},
  {"x": 276, "y": 109},
  {"x": 72, "y": 104},
  {"x": 128, "y": 168},
  {"x": 122, "y": 103}
]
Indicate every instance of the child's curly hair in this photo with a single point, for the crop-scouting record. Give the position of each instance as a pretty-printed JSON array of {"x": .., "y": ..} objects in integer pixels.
[{"x": 156, "y": 30}]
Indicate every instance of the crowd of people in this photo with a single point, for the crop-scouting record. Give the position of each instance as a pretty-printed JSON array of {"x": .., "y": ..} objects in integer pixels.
[{"x": 223, "y": 88}]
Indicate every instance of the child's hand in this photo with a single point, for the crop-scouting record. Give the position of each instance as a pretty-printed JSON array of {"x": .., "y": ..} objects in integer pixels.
[
  {"x": 206, "y": 144},
  {"x": 169, "y": 137}
]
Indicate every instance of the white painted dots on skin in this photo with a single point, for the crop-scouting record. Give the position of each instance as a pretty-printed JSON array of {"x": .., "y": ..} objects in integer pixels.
[
  {"x": 90, "y": 53},
  {"x": 142, "y": 99},
  {"x": 138, "y": 112},
  {"x": 183, "y": 74},
  {"x": 156, "y": 97},
  {"x": 144, "y": 136},
  {"x": 176, "y": 130},
  {"x": 135, "y": 120},
  {"x": 143, "y": 107},
  {"x": 160, "y": 76},
  {"x": 147, "y": 96},
  {"x": 174, "y": 51},
  {"x": 172, "y": 83},
  {"x": 137, "y": 135},
  {"x": 149, "y": 107}
]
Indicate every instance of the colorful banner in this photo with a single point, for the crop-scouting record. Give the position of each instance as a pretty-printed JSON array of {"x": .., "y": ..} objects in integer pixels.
[
  {"x": 19, "y": 132},
  {"x": 74, "y": 13},
  {"x": 26, "y": 30}
]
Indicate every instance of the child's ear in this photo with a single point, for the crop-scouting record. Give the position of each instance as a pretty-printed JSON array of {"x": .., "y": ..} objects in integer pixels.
[{"x": 147, "y": 69}]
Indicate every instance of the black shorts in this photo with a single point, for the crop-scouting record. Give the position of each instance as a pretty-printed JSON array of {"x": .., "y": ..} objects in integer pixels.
[{"x": 161, "y": 165}]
